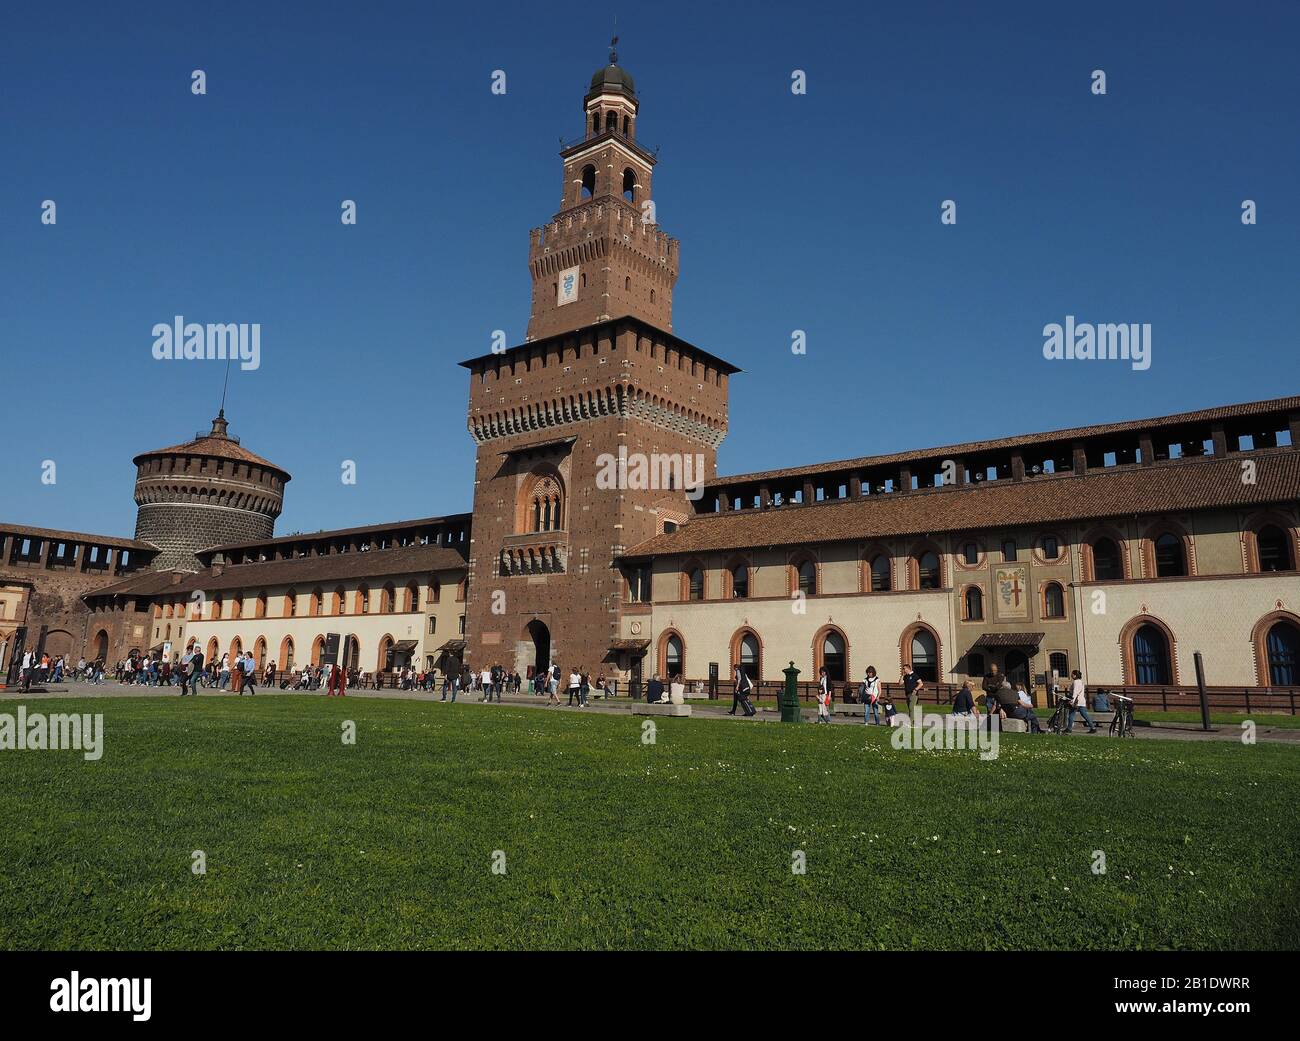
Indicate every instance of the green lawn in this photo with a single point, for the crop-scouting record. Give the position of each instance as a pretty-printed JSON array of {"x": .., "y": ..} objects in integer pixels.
[{"x": 611, "y": 843}]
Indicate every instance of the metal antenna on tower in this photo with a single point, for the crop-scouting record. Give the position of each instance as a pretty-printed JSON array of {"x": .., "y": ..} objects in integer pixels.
[
  {"x": 224, "y": 383},
  {"x": 613, "y": 54}
]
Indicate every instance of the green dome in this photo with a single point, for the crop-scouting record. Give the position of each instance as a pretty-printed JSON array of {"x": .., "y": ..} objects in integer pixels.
[{"x": 612, "y": 78}]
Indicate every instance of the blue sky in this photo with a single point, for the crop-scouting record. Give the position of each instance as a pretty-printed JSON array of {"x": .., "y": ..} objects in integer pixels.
[{"x": 817, "y": 212}]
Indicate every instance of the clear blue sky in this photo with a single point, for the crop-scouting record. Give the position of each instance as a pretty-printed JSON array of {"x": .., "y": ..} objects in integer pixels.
[{"x": 818, "y": 212}]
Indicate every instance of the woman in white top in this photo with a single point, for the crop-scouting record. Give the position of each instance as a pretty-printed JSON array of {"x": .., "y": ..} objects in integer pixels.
[
  {"x": 575, "y": 685},
  {"x": 1079, "y": 703},
  {"x": 870, "y": 697}
]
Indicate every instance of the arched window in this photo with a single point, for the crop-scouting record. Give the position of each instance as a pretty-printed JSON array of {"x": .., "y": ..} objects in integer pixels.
[
  {"x": 259, "y": 652},
  {"x": 925, "y": 655},
  {"x": 806, "y": 577},
  {"x": 317, "y": 602},
  {"x": 412, "y": 597},
  {"x": 1107, "y": 565},
  {"x": 259, "y": 610},
  {"x": 629, "y": 186},
  {"x": 286, "y": 653},
  {"x": 882, "y": 579},
  {"x": 1053, "y": 600},
  {"x": 974, "y": 604},
  {"x": 339, "y": 601},
  {"x": 291, "y": 604},
  {"x": 218, "y": 608},
  {"x": 1274, "y": 548},
  {"x": 386, "y": 599},
  {"x": 674, "y": 657},
  {"x": 749, "y": 657},
  {"x": 740, "y": 581},
  {"x": 1151, "y": 665},
  {"x": 237, "y": 606},
  {"x": 695, "y": 584},
  {"x": 1283, "y": 649},
  {"x": 928, "y": 573},
  {"x": 1170, "y": 561},
  {"x": 363, "y": 600},
  {"x": 833, "y": 657},
  {"x": 589, "y": 180},
  {"x": 611, "y": 121}
]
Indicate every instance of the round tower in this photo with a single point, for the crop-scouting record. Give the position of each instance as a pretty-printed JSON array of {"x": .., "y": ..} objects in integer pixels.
[{"x": 206, "y": 492}]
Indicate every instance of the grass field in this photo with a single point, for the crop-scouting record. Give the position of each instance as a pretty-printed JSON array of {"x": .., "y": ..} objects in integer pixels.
[{"x": 612, "y": 843}]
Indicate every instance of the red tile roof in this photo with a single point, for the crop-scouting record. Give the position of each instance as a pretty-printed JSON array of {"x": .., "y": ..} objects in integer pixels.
[
  {"x": 1223, "y": 412},
  {"x": 60, "y": 535},
  {"x": 1159, "y": 488},
  {"x": 300, "y": 571}
]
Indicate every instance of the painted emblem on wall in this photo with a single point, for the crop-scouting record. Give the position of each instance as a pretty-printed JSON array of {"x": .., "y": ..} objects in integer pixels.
[
  {"x": 1012, "y": 592},
  {"x": 567, "y": 289}
]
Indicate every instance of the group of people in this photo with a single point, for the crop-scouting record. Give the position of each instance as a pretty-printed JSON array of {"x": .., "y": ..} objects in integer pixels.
[{"x": 41, "y": 668}]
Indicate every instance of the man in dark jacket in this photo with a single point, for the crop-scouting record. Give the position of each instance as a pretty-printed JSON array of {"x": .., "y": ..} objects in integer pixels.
[{"x": 654, "y": 691}]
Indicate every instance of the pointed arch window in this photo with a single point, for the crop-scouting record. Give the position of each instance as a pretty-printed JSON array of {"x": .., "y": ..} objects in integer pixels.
[
  {"x": 1107, "y": 564},
  {"x": 1171, "y": 562},
  {"x": 882, "y": 579},
  {"x": 1283, "y": 649},
  {"x": 1151, "y": 656},
  {"x": 1053, "y": 600},
  {"x": 1274, "y": 547}
]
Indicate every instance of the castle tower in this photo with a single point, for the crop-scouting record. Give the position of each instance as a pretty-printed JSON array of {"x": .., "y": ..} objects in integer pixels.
[
  {"x": 603, "y": 255},
  {"x": 591, "y": 433},
  {"x": 203, "y": 493}
]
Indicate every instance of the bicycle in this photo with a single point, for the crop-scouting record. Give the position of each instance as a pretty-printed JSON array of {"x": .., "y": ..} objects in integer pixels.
[
  {"x": 1122, "y": 723},
  {"x": 1061, "y": 714}
]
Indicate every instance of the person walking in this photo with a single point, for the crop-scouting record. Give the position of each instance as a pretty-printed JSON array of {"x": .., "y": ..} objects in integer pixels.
[
  {"x": 195, "y": 670},
  {"x": 1079, "y": 703},
  {"x": 249, "y": 668},
  {"x": 575, "y": 684},
  {"x": 912, "y": 687},
  {"x": 740, "y": 697},
  {"x": 870, "y": 697}
]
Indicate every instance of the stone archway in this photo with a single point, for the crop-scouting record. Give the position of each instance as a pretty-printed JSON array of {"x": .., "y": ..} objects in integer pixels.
[{"x": 540, "y": 634}]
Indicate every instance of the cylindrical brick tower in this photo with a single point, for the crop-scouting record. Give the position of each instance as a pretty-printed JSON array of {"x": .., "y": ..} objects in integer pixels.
[{"x": 206, "y": 492}]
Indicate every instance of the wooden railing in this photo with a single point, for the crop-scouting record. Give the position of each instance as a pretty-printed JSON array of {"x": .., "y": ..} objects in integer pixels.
[{"x": 1285, "y": 700}]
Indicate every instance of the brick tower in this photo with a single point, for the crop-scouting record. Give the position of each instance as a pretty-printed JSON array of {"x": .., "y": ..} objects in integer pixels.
[
  {"x": 203, "y": 493},
  {"x": 603, "y": 255},
  {"x": 600, "y": 378}
]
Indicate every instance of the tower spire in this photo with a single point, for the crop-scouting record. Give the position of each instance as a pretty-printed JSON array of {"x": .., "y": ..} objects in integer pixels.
[{"x": 613, "y": 43}]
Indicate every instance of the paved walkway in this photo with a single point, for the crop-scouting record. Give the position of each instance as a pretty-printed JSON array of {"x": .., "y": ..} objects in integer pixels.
[{"x": 700, "y": 709}]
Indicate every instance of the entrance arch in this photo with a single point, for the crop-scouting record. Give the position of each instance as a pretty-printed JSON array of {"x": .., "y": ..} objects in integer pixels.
[{"x": 541, "y": 636}]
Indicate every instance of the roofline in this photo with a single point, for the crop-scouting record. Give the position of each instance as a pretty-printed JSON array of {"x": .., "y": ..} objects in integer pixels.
[
  {"x": 637, "y": 553},
  {"x": 1010, "y": 441},
  {"x": 305, "y": 536},
  {"x": 720, "y": 363}
]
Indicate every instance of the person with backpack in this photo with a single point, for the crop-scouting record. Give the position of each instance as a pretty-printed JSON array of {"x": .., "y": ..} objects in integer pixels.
[{"x": 870, "y": 697}]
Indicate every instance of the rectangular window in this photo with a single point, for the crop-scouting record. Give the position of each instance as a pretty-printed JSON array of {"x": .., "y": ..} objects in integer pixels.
[
  {"x": 1008, "y": 551},
  {"x": 433, "y": 625}
]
